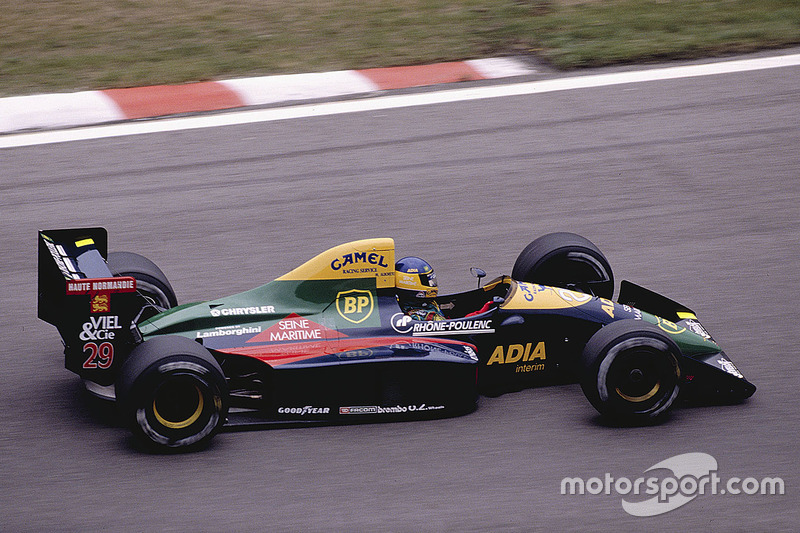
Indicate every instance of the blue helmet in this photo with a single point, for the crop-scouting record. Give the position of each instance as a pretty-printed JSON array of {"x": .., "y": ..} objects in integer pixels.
[{"x": 414, "y": 277}]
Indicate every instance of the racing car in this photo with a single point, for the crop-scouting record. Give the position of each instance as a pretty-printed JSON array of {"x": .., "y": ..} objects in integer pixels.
[{"x": 329, "y": 343}]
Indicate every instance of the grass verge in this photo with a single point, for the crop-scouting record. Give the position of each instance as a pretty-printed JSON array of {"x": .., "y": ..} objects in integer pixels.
[{"x": 70, "y": 45}]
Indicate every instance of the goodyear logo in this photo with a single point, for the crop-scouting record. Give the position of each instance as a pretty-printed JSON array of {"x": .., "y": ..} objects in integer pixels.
[{"x": 355, "y": 305}]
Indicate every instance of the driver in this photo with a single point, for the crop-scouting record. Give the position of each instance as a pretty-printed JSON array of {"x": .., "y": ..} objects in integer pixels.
[{"x": 417, "y": 289}]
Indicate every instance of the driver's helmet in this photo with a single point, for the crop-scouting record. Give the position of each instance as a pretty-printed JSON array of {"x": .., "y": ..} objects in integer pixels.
[{"x": 414, "y": 278}]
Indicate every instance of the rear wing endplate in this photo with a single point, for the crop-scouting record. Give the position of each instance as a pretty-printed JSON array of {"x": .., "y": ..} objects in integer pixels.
[
  {"x": 68, "y": 255},
  {"x": 92, "y": 309}
]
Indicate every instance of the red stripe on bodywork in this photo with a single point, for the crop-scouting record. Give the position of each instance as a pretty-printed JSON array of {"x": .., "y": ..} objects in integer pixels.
[
  {"x": 308, "y": 325},
  {"x": 281, "y": 354}
]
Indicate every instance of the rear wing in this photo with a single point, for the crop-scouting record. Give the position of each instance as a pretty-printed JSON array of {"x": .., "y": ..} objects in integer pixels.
[{"x": 92, "y": 309}]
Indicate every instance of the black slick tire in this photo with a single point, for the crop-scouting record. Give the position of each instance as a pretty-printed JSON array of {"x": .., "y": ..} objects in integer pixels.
[
  {"x": 172, "y": 393},
  {"x": 150, "y": 280},
  {"x": 629, "y": 372},
  {"x": 565, "y": 260}
]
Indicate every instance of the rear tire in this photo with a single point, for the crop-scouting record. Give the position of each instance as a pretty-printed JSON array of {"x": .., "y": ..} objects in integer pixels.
[
  {"x": 629, "y": 371},
  {"x": 568, "y": 261},
  {"x": 150, "y": 280},
  {"x": 172, "y": 393}
]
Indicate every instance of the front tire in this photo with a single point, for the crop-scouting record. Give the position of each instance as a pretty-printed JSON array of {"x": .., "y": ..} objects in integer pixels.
[
  {"x": 172, "y": 393},
  {"x": 565, "y": 260},
  {"x": 629, "y": 372}
]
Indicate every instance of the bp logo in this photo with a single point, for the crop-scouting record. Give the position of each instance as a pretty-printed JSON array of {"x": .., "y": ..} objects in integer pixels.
[{"x": 355, "y": 305}]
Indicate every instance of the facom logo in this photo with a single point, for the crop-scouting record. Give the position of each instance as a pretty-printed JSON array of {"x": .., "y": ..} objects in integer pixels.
[{"x": 693, "y": 474}]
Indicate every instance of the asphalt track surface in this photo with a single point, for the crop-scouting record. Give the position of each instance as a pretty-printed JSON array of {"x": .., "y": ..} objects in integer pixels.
[{"x": 691, "y": 187}]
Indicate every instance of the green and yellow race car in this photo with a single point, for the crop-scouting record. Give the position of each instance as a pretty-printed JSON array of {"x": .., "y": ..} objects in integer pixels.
[{"x": 334, "y": 341}]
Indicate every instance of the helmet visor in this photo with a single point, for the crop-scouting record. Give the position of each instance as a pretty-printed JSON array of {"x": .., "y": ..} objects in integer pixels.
[{"x": 428, "y": 280}]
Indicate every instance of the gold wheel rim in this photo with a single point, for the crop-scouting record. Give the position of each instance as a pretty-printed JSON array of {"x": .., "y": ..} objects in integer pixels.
[
  {"x": 643, "y": 397},
  {"x": 185, "y": 422}
]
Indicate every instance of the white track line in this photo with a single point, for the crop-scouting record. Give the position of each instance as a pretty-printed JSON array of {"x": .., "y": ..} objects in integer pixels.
[{"x": 396, "y": 101}]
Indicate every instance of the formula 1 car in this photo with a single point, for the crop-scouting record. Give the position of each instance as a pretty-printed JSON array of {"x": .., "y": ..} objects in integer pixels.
[{"x": 328, "y": 342}]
